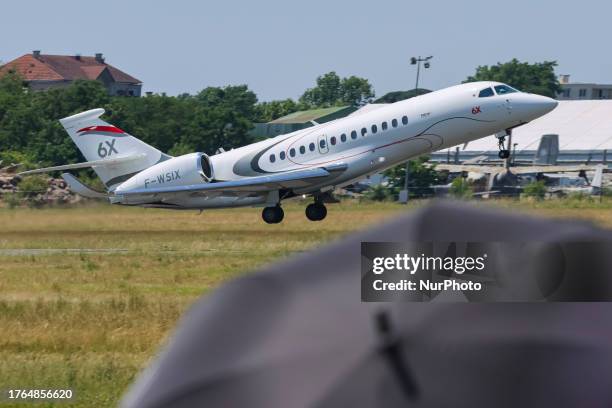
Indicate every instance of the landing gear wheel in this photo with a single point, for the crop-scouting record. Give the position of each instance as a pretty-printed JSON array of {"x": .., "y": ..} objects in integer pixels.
[
  {"x": 504, "y": 154},
  {"x": 316, "y": 212},
  {"x": 273, "y": 215},
  {"x": 501, "y": 143}
]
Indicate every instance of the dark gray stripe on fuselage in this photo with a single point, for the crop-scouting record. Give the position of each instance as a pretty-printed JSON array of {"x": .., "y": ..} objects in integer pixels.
[
  {"x": 120, "y": 179},
  {"x": 248, "y": 165},
  {"x": 125, "y": 177}
]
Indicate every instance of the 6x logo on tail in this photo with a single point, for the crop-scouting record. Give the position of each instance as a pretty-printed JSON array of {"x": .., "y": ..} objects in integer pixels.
[{"x": 106, "y": 148}]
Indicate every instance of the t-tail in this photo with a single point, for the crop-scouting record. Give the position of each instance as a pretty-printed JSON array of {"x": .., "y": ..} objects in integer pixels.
[{"x": 112, "y": 153}]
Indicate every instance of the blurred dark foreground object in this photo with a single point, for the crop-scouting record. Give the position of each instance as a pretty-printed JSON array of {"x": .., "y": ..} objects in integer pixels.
[{"x": 297, "y": 335}]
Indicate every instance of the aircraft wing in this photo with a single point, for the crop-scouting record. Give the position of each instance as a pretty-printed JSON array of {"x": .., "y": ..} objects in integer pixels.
[{"x": 296, "y": 179}]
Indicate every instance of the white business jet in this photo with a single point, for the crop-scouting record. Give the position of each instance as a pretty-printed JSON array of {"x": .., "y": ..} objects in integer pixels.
[{"x": 312, "y": 161}]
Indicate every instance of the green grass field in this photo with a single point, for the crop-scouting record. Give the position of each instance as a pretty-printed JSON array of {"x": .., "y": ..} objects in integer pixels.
[{"x": 88, "y": 294}]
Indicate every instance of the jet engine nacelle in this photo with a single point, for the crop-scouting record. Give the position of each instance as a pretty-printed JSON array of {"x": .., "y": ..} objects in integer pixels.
[{"x": 192, "y": 168}]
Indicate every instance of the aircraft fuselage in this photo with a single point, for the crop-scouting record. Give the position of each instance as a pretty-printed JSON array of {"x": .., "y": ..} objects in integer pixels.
[{"x": 366, "y": 142}]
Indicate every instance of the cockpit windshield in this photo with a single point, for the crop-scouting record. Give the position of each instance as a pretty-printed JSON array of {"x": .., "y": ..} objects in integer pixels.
[
  {"x": 504, "y": 89},
  {"x": 485, "y": 92}
]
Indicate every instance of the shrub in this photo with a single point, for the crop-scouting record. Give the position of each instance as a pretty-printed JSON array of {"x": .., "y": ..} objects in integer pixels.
[
  {"x": 461, "y": 188},
  {"x": 10, "y": 157},
  {"x": 32, "y": 185},
  {"x": 378, "y": 193},
  {"x": 536, "y": 189},
  {"x": 12, "y": 200}
]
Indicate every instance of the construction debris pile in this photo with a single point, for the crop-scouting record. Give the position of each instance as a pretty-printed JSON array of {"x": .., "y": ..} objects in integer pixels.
[{"x": 46, "y": 190}]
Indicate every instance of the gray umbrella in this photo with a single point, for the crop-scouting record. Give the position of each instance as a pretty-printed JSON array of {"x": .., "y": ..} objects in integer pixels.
[{"x": 297, "y": 334}]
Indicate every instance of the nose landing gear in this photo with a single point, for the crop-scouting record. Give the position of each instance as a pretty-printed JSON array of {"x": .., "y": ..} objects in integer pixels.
[{"x": 504, "y": 153}]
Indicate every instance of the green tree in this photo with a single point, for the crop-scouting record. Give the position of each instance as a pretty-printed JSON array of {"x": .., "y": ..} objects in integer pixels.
[
  {"x": 421, "y": 178},
  {"x": 268, "y": 111},
  {"x": 223, "y": 118},
  {"x": 331, "y": 90},
  {"x": 538, "y": 78},
  {"x": 160, "y": 120},
  {"x": 215, "y": 117},
  {"x": 17, "y": 118},
  {"x": 355, "y": 91}
]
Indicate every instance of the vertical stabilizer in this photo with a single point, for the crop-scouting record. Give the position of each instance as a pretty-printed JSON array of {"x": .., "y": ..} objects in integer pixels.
[
  {"x": 548, "y": 150},
  {"x": 98, "y": 140}
]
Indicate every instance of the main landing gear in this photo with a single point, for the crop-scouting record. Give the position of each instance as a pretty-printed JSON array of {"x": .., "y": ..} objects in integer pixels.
[
  {"x": 316, "y": 211},
  {"x": 273, "y": 215}
]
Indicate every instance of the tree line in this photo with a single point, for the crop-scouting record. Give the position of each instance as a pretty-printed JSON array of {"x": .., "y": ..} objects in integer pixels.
[{"x": 212, "y": 118}]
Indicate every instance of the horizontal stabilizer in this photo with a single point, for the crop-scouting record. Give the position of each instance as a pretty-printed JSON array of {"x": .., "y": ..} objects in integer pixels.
[
  {"x": 79, "y": 188},
  {"x": 95, "y": 163}
]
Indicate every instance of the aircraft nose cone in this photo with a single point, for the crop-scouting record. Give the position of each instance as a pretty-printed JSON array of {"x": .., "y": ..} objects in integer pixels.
[
  {"x": 548, "y": 104},
  {"x": 543, "y": 104},
  {"x": 529, "y": 106}
]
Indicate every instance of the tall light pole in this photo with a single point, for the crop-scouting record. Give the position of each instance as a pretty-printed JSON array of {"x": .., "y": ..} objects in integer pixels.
[{"x": 403, "y": 195}]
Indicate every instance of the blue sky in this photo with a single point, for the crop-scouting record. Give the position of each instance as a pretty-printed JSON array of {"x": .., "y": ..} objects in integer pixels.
[{"x": 278, "y": 48}]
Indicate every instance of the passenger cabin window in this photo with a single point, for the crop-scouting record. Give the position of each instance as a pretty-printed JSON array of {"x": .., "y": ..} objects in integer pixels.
[
  {"x": 343, "y": 138},
  {"x": 322, "y": 143},
  {"x": 353, "y": 135},
  {"x": 504, "y": 89},
  {"x": 292, "y": 152},
  {"x": 332, "y": 140},
  {"x": 302, "y": 150},
  {"x": 272, "y": 158},
  {"x": 394, "y": 123},
  {"x": 405, "y": 120},
  {"x": 384, "y": 126},
  {"x": 485, "y": 93},
  {"x": 311, "y": 147},
  {"x": 364, "y": 131},
  {"x": 282, "y": 155}
]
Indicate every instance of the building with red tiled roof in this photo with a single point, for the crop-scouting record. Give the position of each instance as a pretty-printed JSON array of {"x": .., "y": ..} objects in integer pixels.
[{"x": 42, "y": 71}]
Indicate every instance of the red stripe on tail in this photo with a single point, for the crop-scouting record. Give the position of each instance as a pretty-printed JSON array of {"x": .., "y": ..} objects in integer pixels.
[{"x": 109, "y": 129}]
